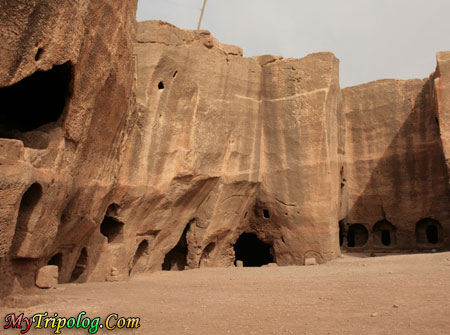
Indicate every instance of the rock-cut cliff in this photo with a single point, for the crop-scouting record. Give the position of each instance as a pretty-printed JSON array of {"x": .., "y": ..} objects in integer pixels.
[
  {"x": 224, "y": 145},
  {"x": 127, "y": 148}
]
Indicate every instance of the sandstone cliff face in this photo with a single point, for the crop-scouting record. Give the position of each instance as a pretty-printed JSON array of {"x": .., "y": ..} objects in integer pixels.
[
  {"x": 441, "y": 81},
  {"x": 224, "y": 145},
  {"x": 66, "y": 74},
  {"x": 183, "y": 153},
  {"x": 396, "y": 177}
]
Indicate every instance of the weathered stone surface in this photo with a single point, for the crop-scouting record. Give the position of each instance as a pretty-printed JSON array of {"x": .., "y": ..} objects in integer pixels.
[
  {"x": 66, "y": 73},
  {"x": 228, "y": 139},
  {"x": 162, "y": 157},
  {"x": 47, "y": 277},
  {"x": 442, "y": 100},
  {"x": 395, "y": 166},
  {"x": 310, "y": 261}
]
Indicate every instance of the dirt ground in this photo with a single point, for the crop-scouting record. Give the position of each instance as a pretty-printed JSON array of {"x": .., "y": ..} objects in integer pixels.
[{"x": 404, "y": 294}]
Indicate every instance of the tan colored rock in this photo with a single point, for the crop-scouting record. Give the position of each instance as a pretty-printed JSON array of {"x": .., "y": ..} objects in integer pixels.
[
  {"x": 114, "y": 272},
  {"x": 66, "y": 74},
  {"x": 396, "y": 174},
  {"x": 441, "y": 81},
  {"x": 47, "y": 277},
  {"x": 162, "y": 154},
  {"x": 232, "y": 139},
  {"x": 310, "y": 261}
]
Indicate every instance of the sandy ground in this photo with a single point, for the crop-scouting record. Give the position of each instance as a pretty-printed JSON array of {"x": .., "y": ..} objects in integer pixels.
[{"x": 405, "y": 294}]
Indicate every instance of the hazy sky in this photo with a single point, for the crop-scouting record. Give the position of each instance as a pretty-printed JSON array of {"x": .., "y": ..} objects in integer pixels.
[{"x": 373, "y": 39}]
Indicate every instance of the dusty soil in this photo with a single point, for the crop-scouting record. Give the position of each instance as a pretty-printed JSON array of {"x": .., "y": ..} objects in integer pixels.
[{"x": 405, "y": 294}]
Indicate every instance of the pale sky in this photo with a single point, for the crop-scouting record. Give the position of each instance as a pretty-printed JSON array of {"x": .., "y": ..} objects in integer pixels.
[{"x": 374, "y": 39}]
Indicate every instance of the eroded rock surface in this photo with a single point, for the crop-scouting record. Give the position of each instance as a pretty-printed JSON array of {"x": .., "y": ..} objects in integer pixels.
[
  {"x": 228, "y": 145},
  {"x": 177, "y": 152},
  {"x": 66, "y": 74},
  {"x": 395, "y": 165}
]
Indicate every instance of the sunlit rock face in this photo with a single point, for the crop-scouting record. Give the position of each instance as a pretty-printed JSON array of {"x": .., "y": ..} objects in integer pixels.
[
  {"x": 224, "y": 145},
  {"x": 66, "y": 76},
  {"x": 129, "y": 148}
]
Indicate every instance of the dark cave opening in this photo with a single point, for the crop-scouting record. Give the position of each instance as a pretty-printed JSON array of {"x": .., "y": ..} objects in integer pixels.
[
  {"x": 384, "y": 234},
  {"x": 432, "y": 234},
  {"x": 81, "y": 266},
  {"x": 160, "y": 85},
  {"x": 252, "y": 251},
  {"x": 140, "y": 254},
  {"x": 357, "y": 235},
  {"x": 266, "y": 213},
  {"x": 29, "y": 200},
  {"x": 112, "y": 229},
  {"x": 176, "y": 259},
  {"x": 386, "y": 237},
  {"x": 113, "y": 210},
  {"x": 38, "y": 54},
  {"x": 428, "y": 231},
  {"x": 27, "y": 205},
  {"x": 56, "y": 260},
  {"x": 35, "y": 101}
]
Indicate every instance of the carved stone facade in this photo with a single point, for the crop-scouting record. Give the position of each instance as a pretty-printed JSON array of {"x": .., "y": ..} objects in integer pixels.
[{"x": 177, "y": 152}]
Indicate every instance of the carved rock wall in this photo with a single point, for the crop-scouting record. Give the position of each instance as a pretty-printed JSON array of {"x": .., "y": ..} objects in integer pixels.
[
  {"x": 66, "y": 74},
  {"x": 119, "y": 158},
  {"x": 396, "y": 176},
  {"x": 224, "y": 145}
]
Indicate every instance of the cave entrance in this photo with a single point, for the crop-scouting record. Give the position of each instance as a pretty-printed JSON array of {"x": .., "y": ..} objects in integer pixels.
[
  {"x": 35, "y": 101},
  {"x": 357, "y": 235},
  {"x": 428, "y": 231},
  {"x": 252, "y": 251},
  {"x": 81, "y": 266},
  {"x": 386, "y": 237},
  {"x": 112, "y": 229},
  {"x": 57, "y": 260},
  {"x": 140, "y": 258},
  {"x": 27, "y": 205},
  {"x": 176, "y": 259},
  {"x": 432, "y": 234},
  {"x": 384, "y": 234}
]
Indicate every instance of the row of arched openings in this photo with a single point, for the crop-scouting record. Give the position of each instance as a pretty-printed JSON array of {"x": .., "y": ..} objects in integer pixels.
[{"x": 428, "y": 232}]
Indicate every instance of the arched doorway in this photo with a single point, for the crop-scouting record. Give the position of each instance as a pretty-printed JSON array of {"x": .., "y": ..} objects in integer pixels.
[
  {"x": 139, "y": 259},
  {"x": 57, "y": 260},
  {"x": 384, "y": 234},
  {"x": 176, "y": 259},
  {"x": 112, "y": 229},
  {"x": 428, "y": 232},
  {"x": 81, "y": 266},
  {"x": 357, "y": 235},
  {"x": 252, "y": 251},
  {"x": 29, "y": 201}
]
